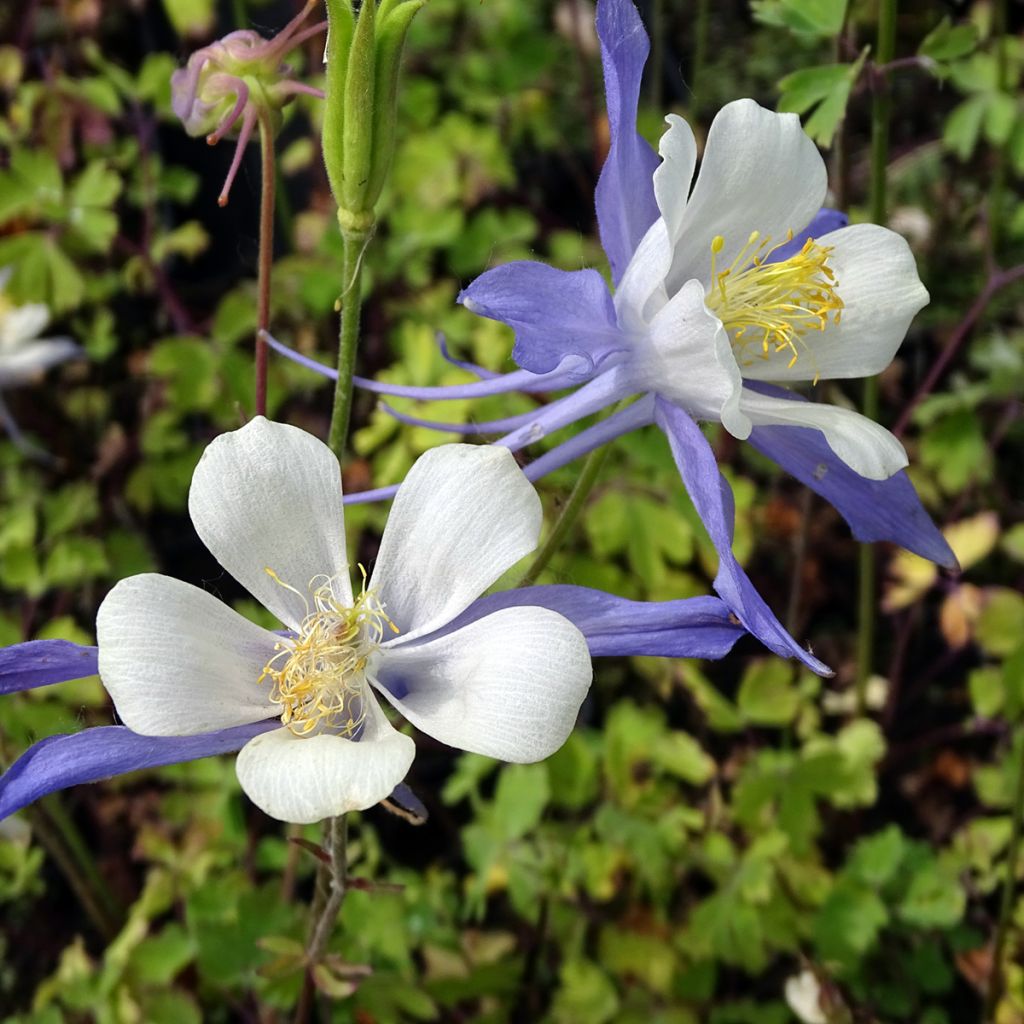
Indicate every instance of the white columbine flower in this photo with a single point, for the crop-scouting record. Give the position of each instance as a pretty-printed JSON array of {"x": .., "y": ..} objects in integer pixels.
[
  {"x": 711, "y": 299},
  {"x": 267, "y": 502},
  {"x": 23, "y": 354}
]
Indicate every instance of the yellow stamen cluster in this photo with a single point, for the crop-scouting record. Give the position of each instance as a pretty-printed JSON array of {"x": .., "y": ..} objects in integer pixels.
[
  {"x": 318, "y": 676},
  {"x": 769, "y": 307}
]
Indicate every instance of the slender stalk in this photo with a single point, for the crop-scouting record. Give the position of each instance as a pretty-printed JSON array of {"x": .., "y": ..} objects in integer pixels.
[
  {"x": 880, "y": 113},
  {"x": 354, "y": 246},
  {"x": 998, "y": 188},
  {"x": 995, "y": 979},
  {"x": 331, "y": 889},
  {"x": 700, "y": 53},
  {"x": 266, "y": 260},
  {"x": 62, "y": 843},
  {"x": 568, "y": 516}
]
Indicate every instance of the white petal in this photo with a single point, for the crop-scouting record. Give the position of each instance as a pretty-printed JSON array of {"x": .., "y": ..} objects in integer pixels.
[
  {"x": 23, "y": 323},
  {"x": 876, "y": 277},
  {"x": 509, "y": 685},
  {"x": 177, "y": 661},
  {"x": 464, "y": 514},
  {"x": 760, "y": 172},
  {"x": 673, "y": 178},
  {"x": 866, "y": 447},
  {"x": 268, "y": 496},
  {"x": 685, "y": 356},
  {"x": 641, "y": 292},
  {"x": 23, "y": 364},
  {"x": 309, "y": 778}
]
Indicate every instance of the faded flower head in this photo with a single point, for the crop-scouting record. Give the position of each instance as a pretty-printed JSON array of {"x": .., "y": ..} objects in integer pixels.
[{"x": 238, "y": 81}]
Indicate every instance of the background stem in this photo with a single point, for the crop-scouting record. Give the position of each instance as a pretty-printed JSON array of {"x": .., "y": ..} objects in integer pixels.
[
  {"x": 266, "y": 260},
  {"x": 568, "y": 516},
  {"x": 331, "y": 889},
  {"x": 355, "y": 244},
  {"x": 880, "y": 113}
]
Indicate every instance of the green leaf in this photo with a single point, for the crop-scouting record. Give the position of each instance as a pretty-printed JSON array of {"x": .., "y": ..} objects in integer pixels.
[
  {"x": 934, "y": 898},
  {"x": 1001, "y": 623},
  {"x": 948, "y": 41},
  {"x": 1000, "y": 118},
  {"x": 963, "y": 126},
  {"x": 818, "y": 18},
  {"x": 520, "y": 798},
  {"x": 824, "y": 90},
  {"x": 191, "y": 18},
  {"x": 767, "y": 694},
  {"x": 876, "y": 859},
  {"x": 681, "y": 755},
  {"x": 848, "y": 923},
  {"x": 954, "y": 448}
]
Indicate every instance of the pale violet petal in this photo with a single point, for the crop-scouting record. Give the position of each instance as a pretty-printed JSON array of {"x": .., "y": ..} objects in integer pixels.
[
  {"x": 672, "y": 180},
  {"x": 176, "y": 661},
  {"x": 760, "y": 172},
  {"x": 463, "y": 515},
  {"x": 268, "y": 496},
  {"x": 509, "y": 685},
  {"x": 867, "y": 448},
  {"x": 554, "y": 313},
  {"x": 309, "y": 778},
  {"x": 876, "y": 278},
  {"x": 685, "y": 356},
  {"x": 624, "y": 198}
]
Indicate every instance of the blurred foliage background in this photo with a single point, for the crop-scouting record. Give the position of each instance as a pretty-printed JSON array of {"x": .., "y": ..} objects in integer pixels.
[{"x": 710, "y": 831}]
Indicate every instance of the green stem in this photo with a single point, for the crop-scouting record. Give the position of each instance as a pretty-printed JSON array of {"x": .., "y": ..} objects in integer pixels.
[
  {"x": 266, "y": 260},
  {"x": 354, "y": 246},
  {"x": 331, "y": 889},
  {"x": 880, "y": 113},
  {"x": 568, "y": 516},
  {"x": 995, "y": 199},
  {"x": 59, "y": 837},
  {"x": 995, "y": 980},
  {"x": 657, "y": 51}
]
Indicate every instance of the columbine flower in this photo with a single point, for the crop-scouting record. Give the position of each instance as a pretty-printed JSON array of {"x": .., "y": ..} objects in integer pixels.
[
  {"x": 23, "y": 354},
  {"x": 696, "y": 627},
  {"x": 723, "y": 292},
  {"x": 266, "y": 500},
  {"x": 238, "y": 80}
]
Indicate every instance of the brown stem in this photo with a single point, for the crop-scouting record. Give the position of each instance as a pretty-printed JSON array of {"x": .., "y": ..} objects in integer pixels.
[{"x": 996, "y": 282}]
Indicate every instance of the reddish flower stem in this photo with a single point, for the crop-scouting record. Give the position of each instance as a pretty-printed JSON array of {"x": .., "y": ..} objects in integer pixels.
[
  {"x": 266, "y": 260},
  {"x": 996, "y": 282}
]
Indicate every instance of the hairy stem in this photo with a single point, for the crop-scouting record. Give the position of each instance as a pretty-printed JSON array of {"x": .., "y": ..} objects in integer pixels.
[
  {"x": 880, "y": 112},
  {"x": 266, "y": 260},
  {"x": 995, "y": 980},
  {"x": 355, "y": 243}
]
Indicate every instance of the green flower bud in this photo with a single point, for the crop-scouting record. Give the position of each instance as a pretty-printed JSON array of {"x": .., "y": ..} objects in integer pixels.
[{"x": 364, "y": 55}]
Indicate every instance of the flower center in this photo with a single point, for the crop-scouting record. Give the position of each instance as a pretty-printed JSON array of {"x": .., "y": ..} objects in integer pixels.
[
  {"x": 318, "y": 676},
  {"x": 769, "y": 306}
]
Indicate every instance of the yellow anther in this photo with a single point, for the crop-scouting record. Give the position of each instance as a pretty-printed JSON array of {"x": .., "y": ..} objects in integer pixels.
[
  {"x": 318, "y": 676},
  {"x": 772, "y": 305}
]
